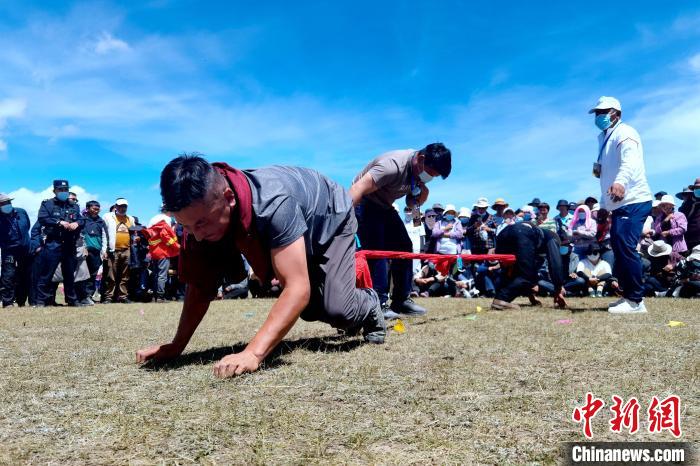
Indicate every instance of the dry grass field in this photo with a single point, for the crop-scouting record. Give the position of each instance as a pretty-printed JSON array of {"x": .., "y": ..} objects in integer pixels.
[{"x": 456, "y": 387}]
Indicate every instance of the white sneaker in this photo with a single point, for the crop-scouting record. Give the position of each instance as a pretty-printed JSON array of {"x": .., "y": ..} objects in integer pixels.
[
  {"x": 628, "y": 307},
  {"x": 615, "y": 303}
]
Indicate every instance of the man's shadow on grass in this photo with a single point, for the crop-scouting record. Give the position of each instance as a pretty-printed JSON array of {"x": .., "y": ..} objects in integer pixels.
[{"x": 328, "y": 344}]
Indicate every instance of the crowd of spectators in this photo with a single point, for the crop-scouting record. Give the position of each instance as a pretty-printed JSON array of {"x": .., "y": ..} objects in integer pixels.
[
  {"x": 669, "y": 246},
  {"x": 114, "y": 260}
]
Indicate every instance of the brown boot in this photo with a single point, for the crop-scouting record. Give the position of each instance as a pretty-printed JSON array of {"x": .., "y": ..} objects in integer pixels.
[{"x": 499, "y": 305}]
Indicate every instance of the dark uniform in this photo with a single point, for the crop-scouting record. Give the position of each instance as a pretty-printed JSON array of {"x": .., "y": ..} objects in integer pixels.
[
  {"x": 531, "y": 245},
  {"x": 59, "y": 247},
  {"x": 14, "y": 245}
]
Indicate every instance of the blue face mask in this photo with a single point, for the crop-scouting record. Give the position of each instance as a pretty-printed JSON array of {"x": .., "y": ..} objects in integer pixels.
[
  {"x": 62, "y": 196},
  {"x": 6, "y": 209},
  {"x": 527, "y": 217},
  {"x": 603, "y": 121},
  {"x": 696, "y": 193},
  {"x": 464, "y": 220},
  {"x": 449, "y": 217},
  {"x": 563, "y": 250}
]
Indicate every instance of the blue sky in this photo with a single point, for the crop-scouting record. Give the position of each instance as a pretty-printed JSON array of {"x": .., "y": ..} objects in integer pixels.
[{"x": 104, "y": 94}]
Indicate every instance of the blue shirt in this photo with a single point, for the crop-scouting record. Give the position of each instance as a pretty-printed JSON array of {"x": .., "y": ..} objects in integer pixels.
[{"x": 14, "y": 230}]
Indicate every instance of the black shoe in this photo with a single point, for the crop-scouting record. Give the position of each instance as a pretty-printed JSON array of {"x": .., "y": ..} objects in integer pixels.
[
  {"x": 374, "y": 326},
  {"x": 76, "y": 304},
  {"x": 408, "y": 308},
  {"x": 87, "y": 302}
]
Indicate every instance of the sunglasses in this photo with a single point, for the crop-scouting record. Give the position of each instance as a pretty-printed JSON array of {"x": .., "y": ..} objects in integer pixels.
[{"x": 430, "y": 216}]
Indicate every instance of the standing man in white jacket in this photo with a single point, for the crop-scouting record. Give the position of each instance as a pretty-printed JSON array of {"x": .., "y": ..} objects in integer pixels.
[
  {"x": 626, "y": 194},
  {"x": 116, "y": 268}
]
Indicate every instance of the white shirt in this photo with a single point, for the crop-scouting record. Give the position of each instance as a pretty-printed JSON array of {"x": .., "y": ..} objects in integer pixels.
[
  {"x": 622, "y": 162},
  {"x": 587, "y": 267},
  {"x": 415, "y": 233}
]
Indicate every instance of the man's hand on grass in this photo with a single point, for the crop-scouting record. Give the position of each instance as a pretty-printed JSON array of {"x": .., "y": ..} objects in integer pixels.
[
  {"x": 158, "y": 353},
  {"x": 237, "y": 364},
  {"x": 560, "y": 300}
]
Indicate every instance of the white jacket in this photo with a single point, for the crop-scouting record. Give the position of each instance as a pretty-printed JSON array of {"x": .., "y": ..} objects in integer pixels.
[
  {"x": 622, "y": 162},
  {"x": 110, "y": 219}
]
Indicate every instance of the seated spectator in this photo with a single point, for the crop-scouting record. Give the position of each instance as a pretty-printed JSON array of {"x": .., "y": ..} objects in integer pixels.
[
  {"x": 488, "y": 278},
  {"x": 648, "y": 229},
  {"x": 593, "y": 275},
  {"x": 430, "y": 282},
  {"x": 688, "y": 275},
  {"x": 582, "y": 230},
  {"x": 448, "y": 232},
  {"x": 691, "y": 209},
  {"x": 543, "y": 220},
  {"x": 661, "y": 273},
  {"x": 602, "y": 236},
  {"x": 670, "y": 227}
]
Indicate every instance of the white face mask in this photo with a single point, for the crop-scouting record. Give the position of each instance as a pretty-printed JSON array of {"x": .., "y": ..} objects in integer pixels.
[
  {"x": 408, "y": 217},
  {"x": 425, "y": 177}
]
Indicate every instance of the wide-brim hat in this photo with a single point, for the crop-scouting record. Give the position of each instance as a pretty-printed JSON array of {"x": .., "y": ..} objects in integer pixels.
[
  {"x": 695, "y": 255},
  {"x": 499, "y": 202},
  {"x": 450, "y": 208},
  {"x": 464, "y": 212},
  {"x": 535, "y": 202},
  {"x": 438, "y": 206},
  {"x": 5, "y": 198},
  {"x": 685, "y": 191},
  {"x": 481, "y": 202},
  {"x": 696, "y": 185},
  {"x": 659, "y": 248},
  {"x": 563, "y": 203}
]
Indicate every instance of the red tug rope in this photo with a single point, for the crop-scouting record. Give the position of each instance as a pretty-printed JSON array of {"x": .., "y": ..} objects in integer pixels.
[{"x": 442, "y": 262}]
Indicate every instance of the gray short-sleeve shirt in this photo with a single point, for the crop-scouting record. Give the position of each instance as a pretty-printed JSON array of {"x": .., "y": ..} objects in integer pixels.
[
  {"x": 291, "y": 202},
  {"x": 392, "y": 173}
]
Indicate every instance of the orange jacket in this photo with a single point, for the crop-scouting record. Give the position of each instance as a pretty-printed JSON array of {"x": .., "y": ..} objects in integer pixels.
[{"x": 162, "y": 241}]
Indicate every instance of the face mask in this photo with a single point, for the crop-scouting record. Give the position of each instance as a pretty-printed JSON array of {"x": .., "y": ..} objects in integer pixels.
[
  {"x": 6, "y": 209},
  {"x": 696, "y": 193},
  {"x": 582, "y": 216},
  {"x": 407, "y": 217},
  {"x": 593, "y": 257},
  {"x": 563, "y": 250},
  {"x": 449, "y": 217},
  {"x": 603, "y": 121},
  {"x": 62, "y": 196},
  {"x": 464, "y": 220},
  {"x": 425, "y": 177},
  {"x": 527, "y": 217}
]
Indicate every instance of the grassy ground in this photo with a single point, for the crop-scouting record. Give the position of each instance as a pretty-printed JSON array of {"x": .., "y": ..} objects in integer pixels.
[{"x": 497, "y": 389}]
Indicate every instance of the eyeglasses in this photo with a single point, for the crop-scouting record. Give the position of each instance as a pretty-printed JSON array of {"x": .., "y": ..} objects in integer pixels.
[{"x": 430, "y": 216}]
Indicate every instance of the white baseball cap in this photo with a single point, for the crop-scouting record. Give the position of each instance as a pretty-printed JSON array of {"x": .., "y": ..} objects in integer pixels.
[
  {"x": 121, "y": 201},
  {"x": 605, "y": 103}
]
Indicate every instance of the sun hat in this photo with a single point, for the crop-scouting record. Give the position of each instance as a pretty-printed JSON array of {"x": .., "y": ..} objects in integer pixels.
[
  {"x": 695, "y": 255},
  {"x": 667, "y": 199},
  {"x": 464, "y": 212},
  {"x": 482, "y": 202},
  {"x": 659, "y": 248},
  {"x": 450, "y": 208},
  {"x": 499, "y": 201}
]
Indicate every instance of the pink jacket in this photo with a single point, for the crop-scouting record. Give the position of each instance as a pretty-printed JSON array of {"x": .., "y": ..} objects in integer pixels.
[{"x": 679, "y": 225}]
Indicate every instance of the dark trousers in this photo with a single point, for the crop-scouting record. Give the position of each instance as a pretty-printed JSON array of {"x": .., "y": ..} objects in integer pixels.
[
  {"x": 335, "y": 299},
  {"x": 15, "y": 277},
  {"x": 53, "y": 254},
  {"x": 381, "y": 229},
  {"x": 690, "y": 289},
  {"x": 522, "y": 241},
  {"x": 86, "y": 288},
  {"x": 627, "y": 223}
]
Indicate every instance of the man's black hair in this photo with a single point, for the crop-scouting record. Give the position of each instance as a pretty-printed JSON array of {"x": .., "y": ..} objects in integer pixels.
[
  {"x": 439, "y": 158},
  {"x": 89, "y": 204},
  {"x": 590, "y": 200},
  {"x": 184, "y": 180}
]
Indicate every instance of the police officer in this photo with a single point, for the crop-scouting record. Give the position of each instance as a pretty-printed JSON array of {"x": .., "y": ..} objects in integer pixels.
[
  {"x": 62, "y": 224},
  {"x": 14, "y": 246}
]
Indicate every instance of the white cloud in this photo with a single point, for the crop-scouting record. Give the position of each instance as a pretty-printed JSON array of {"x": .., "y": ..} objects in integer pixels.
[
  {"x": 31, "y": 200},
  {"x": 694, "y": 62},
  {"x": 107, "y": 43},
  {"x": 9, "y": 108}
]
